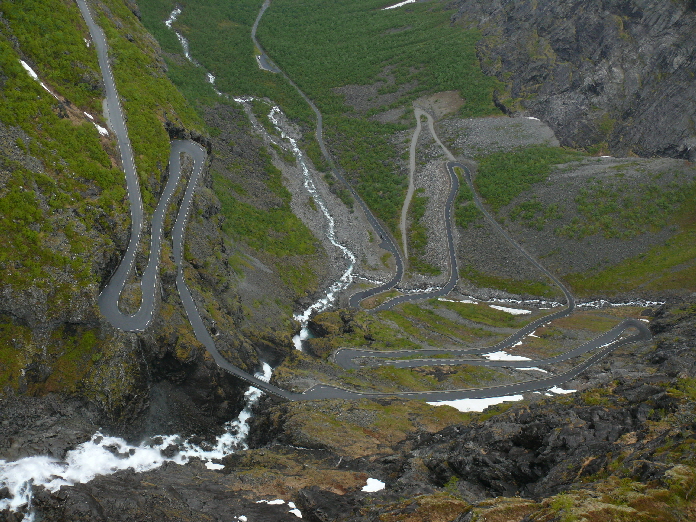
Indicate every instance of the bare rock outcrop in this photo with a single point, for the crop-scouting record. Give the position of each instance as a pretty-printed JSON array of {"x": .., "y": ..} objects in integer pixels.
[{"x": 613, "y": 74}]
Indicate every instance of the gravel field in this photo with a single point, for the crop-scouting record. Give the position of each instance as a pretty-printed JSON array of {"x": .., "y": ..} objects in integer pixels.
[
  {"x": 563, "y": 186},
  {"x": 351, "y": 227},
  {"x": 473, "y": 137}
]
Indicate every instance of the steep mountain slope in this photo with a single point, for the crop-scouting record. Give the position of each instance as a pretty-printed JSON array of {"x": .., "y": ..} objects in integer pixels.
[
  {"x": 607, "y": 75},
  {"x": 65, "y": 221},
  {"x": 621, "y": 448}
]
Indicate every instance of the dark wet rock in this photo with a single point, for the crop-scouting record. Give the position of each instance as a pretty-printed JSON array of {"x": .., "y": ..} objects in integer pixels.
[
  {"x": 319, "y": 506},
  {"x": 49, "y": 425},
  {"x": 170, "y": 451}
]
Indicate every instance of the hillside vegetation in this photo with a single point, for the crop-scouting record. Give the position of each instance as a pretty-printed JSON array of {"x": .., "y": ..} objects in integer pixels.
[
  {"x": 408, "y": 52},
  {"x": 63, "y": 207}
]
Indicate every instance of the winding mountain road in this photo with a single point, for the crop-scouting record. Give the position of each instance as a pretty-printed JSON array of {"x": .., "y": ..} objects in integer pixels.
[
  {"x": 108, "y": 300},
  {"x": 447, "y": 219},
  {"x": 387, "y": 242},
  {"x": 604, "y": 349},
  {"x": 417, "y": 112},
  {"x": 604, "y": 344}
]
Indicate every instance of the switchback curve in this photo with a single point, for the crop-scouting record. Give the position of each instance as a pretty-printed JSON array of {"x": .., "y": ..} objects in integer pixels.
[{"x": 199, "y": 157}]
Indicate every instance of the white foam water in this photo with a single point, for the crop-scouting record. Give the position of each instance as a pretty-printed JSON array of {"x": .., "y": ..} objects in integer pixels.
[
  {"x": 104, "y": 455},
  {"x": 182, "y": 40},
  {"x": 347, "y": 278},
  {"x": 602, "y": 303},
  {"x": 302, "y": 336},
  {"x": 185, "y": 46}
]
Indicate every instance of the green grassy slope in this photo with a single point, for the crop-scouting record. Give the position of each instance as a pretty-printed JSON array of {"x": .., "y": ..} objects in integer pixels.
[
  {"x": 329, "y": 45},
  {"x": 63, "y": 208}
]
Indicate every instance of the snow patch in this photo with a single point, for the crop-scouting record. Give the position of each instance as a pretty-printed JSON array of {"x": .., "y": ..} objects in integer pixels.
[
  {"x": 373, "y": 485},
  {"x": 280, "y": 502},
  {"x": 102, "y": 130},
  {"x": 29, "y": 70},
  {"x": 465, "y": 301},
  {"x": 504, "y": 356},
  {"x": 294, "y": 510},
  {"x": 35, "y": 76},
  {"x": 560, "y": 391},
  {"x": 513, "y": 311},
  {"x": 399, "y": 4},
  {"x": 466, "y": 405},
  {"x": 533, "y": 368}
]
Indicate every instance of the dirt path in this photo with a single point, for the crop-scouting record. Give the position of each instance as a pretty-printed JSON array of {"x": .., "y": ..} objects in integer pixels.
[{"x": 412, "y": 169}]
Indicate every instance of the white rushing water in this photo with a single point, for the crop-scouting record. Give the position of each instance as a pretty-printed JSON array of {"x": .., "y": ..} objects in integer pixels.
[
  {"x": 347, "y": 278},
  {"x": 182, "y": 40},
  {"x": 185, "y": 46},
  {"x": 104, "y": 455},
  {"x": 399, "y": 4}
]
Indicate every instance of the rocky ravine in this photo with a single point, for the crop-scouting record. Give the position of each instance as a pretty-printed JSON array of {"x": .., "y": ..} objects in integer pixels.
[
  {"x": 614, "y": 73},
  {"x": 623, "y": 449},
  {"x": 53, "y": 338}
]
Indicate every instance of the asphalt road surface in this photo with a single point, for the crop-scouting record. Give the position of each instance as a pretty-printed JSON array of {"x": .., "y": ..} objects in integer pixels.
[{"x": 108, "y": 300}]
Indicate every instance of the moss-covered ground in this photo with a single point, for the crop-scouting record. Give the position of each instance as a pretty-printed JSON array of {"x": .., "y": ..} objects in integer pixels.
[{"x": 441, "y": 325}]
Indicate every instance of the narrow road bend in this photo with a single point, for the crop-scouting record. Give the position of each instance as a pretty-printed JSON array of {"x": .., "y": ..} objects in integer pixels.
[{"x": 140, "y": 320}]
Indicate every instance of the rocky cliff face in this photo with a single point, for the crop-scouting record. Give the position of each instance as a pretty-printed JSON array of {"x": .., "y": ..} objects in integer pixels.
[
  {"x": 611, "y": 75},
  {"x": 622, "y": 451},
  {"x": 65, "y": 222}
]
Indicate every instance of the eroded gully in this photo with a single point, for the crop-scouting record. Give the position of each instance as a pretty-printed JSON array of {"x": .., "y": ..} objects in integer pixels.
[{"x": 198, "y": 154}]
